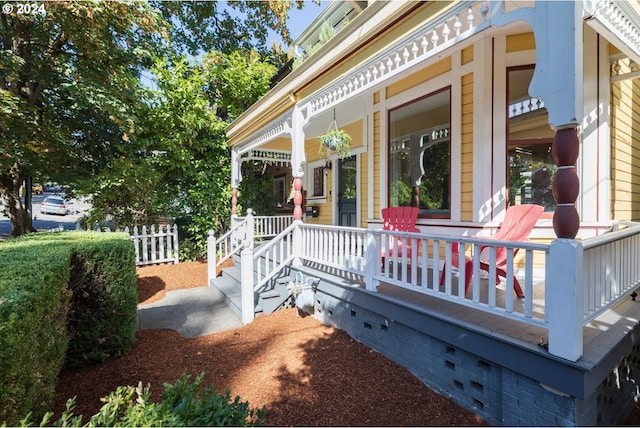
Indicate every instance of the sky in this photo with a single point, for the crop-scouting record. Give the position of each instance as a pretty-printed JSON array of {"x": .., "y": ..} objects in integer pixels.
[{"x": 299, "y": 20}]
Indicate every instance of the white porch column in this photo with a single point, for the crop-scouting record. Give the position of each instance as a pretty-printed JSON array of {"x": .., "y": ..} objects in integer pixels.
[
  {"x": 558, "y": 79},
  {"x": 564, "y": 298},
  {"x": 298, "y": 158},
  {"x": 246, "y": 283},
  {"x": 236, "y": 178}
]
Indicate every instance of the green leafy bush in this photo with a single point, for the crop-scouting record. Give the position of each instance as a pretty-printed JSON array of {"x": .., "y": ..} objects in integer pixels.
[
  {"x": 47, "y": 279},
  {"x": 183, "y": 404}
]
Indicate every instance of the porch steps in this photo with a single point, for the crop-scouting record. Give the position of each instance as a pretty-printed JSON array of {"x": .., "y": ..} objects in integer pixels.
[{"x": 272, "y": 298}]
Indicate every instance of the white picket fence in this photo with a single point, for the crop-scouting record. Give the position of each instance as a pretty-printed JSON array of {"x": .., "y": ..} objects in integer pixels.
[{"x": 153, "y": 246}]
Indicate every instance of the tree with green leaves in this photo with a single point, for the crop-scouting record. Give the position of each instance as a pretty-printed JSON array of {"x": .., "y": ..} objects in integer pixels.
[
  {"x": 181, "y": 168},
  {"x": 71, "y": 98}
]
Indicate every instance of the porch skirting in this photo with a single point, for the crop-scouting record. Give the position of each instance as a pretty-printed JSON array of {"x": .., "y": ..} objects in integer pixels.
[{"x": 505, "y": 382}]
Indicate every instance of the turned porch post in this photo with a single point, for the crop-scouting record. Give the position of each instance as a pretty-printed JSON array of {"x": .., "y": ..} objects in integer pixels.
[
  {"x": 558, "y": 79},
  {"x": 566, "y": 184},
  {"x": 236, "y": 178},
  {"x": 298, "y": 158}
]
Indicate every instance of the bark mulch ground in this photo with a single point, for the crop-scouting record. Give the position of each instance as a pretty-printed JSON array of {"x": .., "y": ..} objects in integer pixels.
[{"x": 305, "y": 373}]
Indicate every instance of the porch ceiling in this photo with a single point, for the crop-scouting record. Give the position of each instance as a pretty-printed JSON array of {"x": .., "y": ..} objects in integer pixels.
[{"x": 347, "y": 112}]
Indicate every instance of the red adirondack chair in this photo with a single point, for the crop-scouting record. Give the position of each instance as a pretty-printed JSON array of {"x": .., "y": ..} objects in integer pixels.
[
  {"x": 400, "y": 219},
  {"x": 518, "y": 223}
]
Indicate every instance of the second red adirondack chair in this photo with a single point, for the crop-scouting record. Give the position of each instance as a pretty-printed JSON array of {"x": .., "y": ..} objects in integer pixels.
[{"x": 518, "y": 223}]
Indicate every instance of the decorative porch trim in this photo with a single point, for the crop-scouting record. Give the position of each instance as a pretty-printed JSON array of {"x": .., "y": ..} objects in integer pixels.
[
  {"x": 424, "y": 43},
  {"x": 275, "y": 157},
  {"x": 617, "y": 20},
  {"x": 623, "y": 68},
  {"x": 267, "y": 134}
]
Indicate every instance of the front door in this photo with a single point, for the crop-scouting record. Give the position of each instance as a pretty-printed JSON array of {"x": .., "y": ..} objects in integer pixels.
[{"x": 347, "y": 191}]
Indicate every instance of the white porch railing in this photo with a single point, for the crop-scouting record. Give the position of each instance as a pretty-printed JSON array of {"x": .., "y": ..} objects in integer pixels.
[
  {"x": 611, "y": 268},
  {"x": 360, "y": 251},
  {"x": 575, "y": 282},
  {"x": 223, "y": 248},
  {"x": 243, "y": 230},
  {"x": 152, "y": 246}
]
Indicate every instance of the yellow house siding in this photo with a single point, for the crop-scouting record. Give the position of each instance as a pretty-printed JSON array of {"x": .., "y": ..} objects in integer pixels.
[
  {"x": 466, "y": 55},
  {"x": 364, "y": 190},
  {"x": 419, "y": 77},
  {"x": 625, "y": 149},
  {"x": 466, "y": 146},
  {"x": 312, "y": 147},
  {"x": 377, "y": 168},
  {"x": 520, "y": 42},
  {"x": 283, "y": 143}
]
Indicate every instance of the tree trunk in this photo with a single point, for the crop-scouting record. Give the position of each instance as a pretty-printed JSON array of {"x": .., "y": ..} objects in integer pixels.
[{"x": 10, "y": 183}]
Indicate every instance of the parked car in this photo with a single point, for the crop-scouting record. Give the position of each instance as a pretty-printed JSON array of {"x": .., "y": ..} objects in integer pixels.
[
  {"x": 36, "y": 188},
  {"x": 54, "y": 205},
  {"x": 52, "y": 187}
]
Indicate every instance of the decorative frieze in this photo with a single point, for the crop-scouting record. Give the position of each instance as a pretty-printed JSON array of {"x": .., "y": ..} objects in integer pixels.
[{"x": 435, "y": 36}]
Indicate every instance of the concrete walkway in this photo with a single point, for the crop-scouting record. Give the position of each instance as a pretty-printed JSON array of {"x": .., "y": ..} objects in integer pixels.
[{"x": 191, "y": 312}]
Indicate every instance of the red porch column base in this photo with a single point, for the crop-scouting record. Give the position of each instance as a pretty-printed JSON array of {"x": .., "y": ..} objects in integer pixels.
[
  {"x": 297, "y": 198},
  {"x": 566, "y": 184},
  {"x": 234, "y": 201}
]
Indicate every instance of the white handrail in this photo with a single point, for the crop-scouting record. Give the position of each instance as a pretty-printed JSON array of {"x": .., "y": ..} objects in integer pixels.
[
  {"x": 270, "y": 226},
  {"x": 270, "y": 258},
  {"x": 223, "y": 248}
]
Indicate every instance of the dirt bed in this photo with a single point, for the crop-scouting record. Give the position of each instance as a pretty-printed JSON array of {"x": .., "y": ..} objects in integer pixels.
[{"x": 305, "y": 373}]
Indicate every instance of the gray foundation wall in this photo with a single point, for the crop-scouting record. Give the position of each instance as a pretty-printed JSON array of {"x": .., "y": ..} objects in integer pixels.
[{"x": 500, "y": 395}]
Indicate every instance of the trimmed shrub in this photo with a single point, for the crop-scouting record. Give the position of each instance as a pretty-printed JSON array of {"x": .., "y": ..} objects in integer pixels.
[
  {"x": 102, "y": 316},
  {"x": 35, "y": 300}
]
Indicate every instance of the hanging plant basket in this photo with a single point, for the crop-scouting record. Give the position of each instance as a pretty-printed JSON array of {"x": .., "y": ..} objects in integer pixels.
[{"x": 335, "y": 140}]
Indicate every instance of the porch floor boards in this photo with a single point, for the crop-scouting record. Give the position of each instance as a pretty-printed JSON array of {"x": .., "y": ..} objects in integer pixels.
[{"x": 600, "y": 338}]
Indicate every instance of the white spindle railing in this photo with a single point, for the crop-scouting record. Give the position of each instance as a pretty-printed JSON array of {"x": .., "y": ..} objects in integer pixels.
[
  {"x": 360, "y": 251},
  {"x": 152, "y": 246},
  {"x": 271, "y": 257},
  {"x": 611, "y": 268},
  {"x": 579, "y": 281},
  {"x": 270, "y": 226},
  {"x": 244, "y": 231},
  {"x": 223, "y": 248},
  {"x": 266, "y": 226},
  {"x": 334, "y": 246}
]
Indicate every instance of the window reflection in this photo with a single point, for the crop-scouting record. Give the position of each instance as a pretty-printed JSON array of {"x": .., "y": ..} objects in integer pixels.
[
  {"x": 420, "y": 152},
  {"x": 529, "y": 161}
]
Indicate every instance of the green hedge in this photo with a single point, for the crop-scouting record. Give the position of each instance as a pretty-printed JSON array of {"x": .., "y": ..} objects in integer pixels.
[{"x": 59, "y": 292}]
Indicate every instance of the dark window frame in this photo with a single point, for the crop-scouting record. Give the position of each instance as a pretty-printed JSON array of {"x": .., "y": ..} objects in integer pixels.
[{"x": 422, "y": 214}]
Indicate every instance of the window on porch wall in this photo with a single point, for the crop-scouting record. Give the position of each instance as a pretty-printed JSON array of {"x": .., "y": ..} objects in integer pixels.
[
  {"x": 420, "y": 155},
  {"x": 279, "y": 190},
  {"x": 530, "y": 167}
]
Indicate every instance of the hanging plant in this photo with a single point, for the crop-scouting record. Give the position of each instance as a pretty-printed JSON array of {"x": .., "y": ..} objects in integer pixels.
[{"x": 335, "y": 140}]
